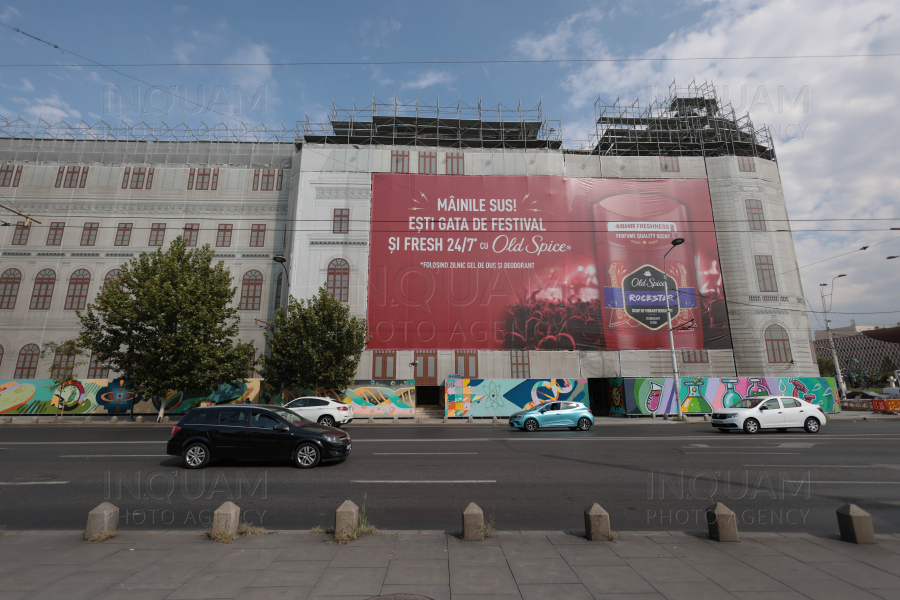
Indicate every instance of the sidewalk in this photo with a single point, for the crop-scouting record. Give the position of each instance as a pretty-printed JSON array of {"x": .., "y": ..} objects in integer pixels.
[{"x": 436, "y": 565}]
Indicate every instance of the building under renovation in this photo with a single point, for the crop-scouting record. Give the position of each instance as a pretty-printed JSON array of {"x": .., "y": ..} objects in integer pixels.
[{"x": 473, "y": 242}]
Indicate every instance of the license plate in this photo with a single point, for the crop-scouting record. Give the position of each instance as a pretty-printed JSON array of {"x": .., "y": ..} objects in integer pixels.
[
  {"x": 717, "y": 423},
  {"x": 348, "y": 447}
]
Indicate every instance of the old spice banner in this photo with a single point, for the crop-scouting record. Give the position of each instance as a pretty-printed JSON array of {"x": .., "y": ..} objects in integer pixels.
[{"x": 546, "y": 263}]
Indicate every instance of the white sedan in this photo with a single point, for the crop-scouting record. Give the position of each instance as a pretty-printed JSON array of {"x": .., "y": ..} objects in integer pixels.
[
  {"x": 323, "y": 411},
  {"x": 769, "y": 412}
]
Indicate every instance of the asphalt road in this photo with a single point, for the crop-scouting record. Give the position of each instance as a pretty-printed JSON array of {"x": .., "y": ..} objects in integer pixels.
[{"x": 649, "y": 477}]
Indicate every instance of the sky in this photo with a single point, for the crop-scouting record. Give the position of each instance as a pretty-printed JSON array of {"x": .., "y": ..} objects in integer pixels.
[{"x": 835, "y": 121}]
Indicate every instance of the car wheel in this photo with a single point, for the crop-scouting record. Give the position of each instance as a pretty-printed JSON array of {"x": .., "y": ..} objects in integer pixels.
[
  {"x": 811, "y": 425},
  {"x": 584, "y": 423},
  {"x": 782, "y": 429},
  {"x": 751, "y": 426},
  {"x": 724, "y": 430},
  {"x": 196, "y": 456},
  {"x": 307, "y": 456},
  {"x": 531, "y": 425},
  {"x": 326, "y": 421}
]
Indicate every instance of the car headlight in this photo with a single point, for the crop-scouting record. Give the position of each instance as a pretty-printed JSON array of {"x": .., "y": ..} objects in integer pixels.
[
  {"x": 333, "y": 439},
  {"x": 729, "y": 415}
]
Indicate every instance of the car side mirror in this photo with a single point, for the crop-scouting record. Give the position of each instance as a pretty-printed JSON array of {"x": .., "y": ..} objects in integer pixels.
[{"x": 281, "y": 427}]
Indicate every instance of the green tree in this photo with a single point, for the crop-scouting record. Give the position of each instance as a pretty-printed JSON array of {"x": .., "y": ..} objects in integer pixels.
[
  {"x": 65, "y": 361},
  {"x": 826, "y": 367},
  {"x": 314, "y": 344},
  {"x": 167, "y": 323}
]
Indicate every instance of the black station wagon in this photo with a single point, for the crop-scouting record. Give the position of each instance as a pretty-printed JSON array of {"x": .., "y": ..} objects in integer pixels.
[{"x": 251, "y": 431}]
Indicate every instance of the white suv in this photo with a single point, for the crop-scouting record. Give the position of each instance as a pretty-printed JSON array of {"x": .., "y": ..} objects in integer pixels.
[{"x": 323, "y": 411}]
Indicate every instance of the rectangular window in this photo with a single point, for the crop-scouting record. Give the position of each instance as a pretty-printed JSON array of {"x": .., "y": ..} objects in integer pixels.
[
  {"x": 191, "y": 179},
  {"x": 694, "y": 356},
  {"x": 341, "y": 222},
  {"x": 521, "y": 369},
  {"x": 755, "y": 215},
  {"x": 280, "y": 177},
  {"x": 223, "y": 235},
  {"x": 467, "y": 364},
  {"x": 202, "y": 181},
  {"x": 137, "y": 178},
  {"x": 18, "y": 176},
  {"x": 59, "y": 176},
  {"x": 455, "y": 164},
  {"x": 126, "y": 177},
  {"x": 400, "y": 161},
  {"x": 191, "y": 233},
  {"x": 84, "y": 175},
  {"x": 123, "y": 234},
  {"x": 427, "y": 163},
  {"x": 20, "y": 237},
  {"x": 669, "y": 164},
  {"x": 257, "y": 236},
  {"x": 157, "y": 234},
  {"x": 215, "y": 179},
  {"x": 384, "y": 364},
  {"x": 96, "y": 368},
  {"x": 765, "y": 273},
  {"x": 150, "y": 178},
  {"x": 6, "y": 175},
  {"x": 89, "y": 234},
  {"x": 746, "y": 164},
  {"x": 256, "y": 180},
  {"x": 62, "y": 365},
  {"x": 55, "y": 235},
  {"x": 71, "y": 180},
  {"x": 268, "y": 180}
]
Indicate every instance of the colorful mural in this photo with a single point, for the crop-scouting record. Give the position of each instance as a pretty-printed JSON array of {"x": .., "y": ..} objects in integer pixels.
[
  {"x": 657, "y": 395},
  {"x": 373, "y": 398},
  {"x": 503, "y": 397}
]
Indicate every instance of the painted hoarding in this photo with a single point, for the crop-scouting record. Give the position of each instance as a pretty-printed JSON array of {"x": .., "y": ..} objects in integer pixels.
[
  {"x": 374, "y": 398},
  {"x": 503, "y": 397},
  {"x": 547, "y": 263}
]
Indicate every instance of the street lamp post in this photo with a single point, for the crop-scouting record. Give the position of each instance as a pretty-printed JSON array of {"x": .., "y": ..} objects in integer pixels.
[
  {"x": 283, "y": 262},
  {"x": 675, "y": 242},
  {"x": 825, "y": 309}
]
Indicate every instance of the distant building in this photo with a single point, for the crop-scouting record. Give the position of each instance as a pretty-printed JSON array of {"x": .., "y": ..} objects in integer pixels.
[{"x": 857, "y": 351}]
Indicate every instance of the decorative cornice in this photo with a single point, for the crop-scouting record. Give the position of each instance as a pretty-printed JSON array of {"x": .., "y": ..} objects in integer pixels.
[
  {"x": 119, "y": 254},
  {"x": 17, "y": 254},
  {"x": 255, "y": 256},
  {"x": 347, "y": 192},
  {"x": 85, "y": 255},
  {"x": 338, "y": 243},
  {"x": 53, "y": 254},
  {"x": 131, "y": 208}
]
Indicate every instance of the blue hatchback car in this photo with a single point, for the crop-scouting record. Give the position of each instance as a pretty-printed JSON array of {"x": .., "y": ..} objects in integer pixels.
[{"x": 573, "y": 415}]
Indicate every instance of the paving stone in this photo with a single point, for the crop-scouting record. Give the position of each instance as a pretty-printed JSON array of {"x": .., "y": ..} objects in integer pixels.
[
  {"x": 782, "y": 595},
  {"x": 33, "y": 576},
  {"x": 554, "y": 591},
  {"x": 82, "y": 584},
  {"x": 418, "y": 572},
  {"x": 889, "y": 563},
  {"x": 692, "y": 591},
  {"x": 362, "y": 556},
  {"x": 515, "y": 596},
  {"x": 121, "y": 594},
  {"x": 127, "y": 561},
  {"x": 476, "y": 555},
  {"x": 804, "y": 550},
  {"x": 288, "y": 574},
  {"x": 860, "y": 574},
  {"x": 455, "y": 540},
  {"x": 481, "y": 581},
  {"x": 528, "y": 548},
  {"x": 432, "y": 549},
  {"x": 238, "y": 558},
  {"x": 639, "y": 596},
  {"x": 742, "y": 578},
  {"x": 435, "y": 592},
  {"x": 191, "y": 554},
  {"x": 830, "y": 589},
  {"x": 695, "y": 552},
  {"x": 612, "y": 579},
  {"x": 637, "y": 547},
  {"x": 308, "y": 551},
  {"x": 569, "y": 538},
  {"x": 274, "y": 593},
  {"x": 783, "y": 567},
  {"x": 358, "y": 581},
  {"x": 744, "y": 549},
  {"x": 271, "y": 540},
  {"x": 593, "y": 554},
  {"x": 215, "y": 584},
  {"x": 160, "y": 576},
  {"x": 378, "y": 539},
  {"x": 543, "y": 570},
  {"x": 665, "y": 570},
  {"x": 887, "y": 594}
]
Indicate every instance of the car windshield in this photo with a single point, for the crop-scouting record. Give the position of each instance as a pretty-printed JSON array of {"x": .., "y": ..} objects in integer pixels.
[
  {"x": 748, "y": 403},
  {"x": 290, "y": 416}
]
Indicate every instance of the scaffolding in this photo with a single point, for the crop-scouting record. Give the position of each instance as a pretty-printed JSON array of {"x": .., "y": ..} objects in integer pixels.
[
  {"x": 689, "y": 121},
  {"x": 457, "y": 125},
  {"x": 142, "y": 132}
]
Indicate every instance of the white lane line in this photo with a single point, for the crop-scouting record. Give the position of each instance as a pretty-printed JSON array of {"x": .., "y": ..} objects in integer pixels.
[
  {"x": 33, "y": 482},
  {"x": 91, "y": 443},
  {"x": 754, "y": 453},
  {"x": 113, "y": 455},
  {"x": 826, "y": 466},
  {"x": 424, "y": 481},
  {"x": 856, "y": 482},
  {"x": 419, "y": 453},
  {"x": 537, "y": 438}
]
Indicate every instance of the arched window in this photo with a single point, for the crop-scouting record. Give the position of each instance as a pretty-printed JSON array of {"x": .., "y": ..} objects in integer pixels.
[
  {"x": 278, "y": 291},
  {"x": 251, "y": 291},
  {"x": 43, "y": 290},
  {"x": 1, "y": 356},
  {"x": 338, "y": 282},
  {"x": 26, "y": 368},
  {"x": 76, "y": 297},
  {"x": 778, "y": 344},
  {"x": 113, "y": 275},
  {"x": 9, "y": 288}
]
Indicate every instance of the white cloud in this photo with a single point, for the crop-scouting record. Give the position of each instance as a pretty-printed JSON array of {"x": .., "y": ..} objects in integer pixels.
[
  {"x": 378, "y": 32},
  {"x": 26, "y": 86},
  {"x": 843, "y": 164},
  {"x": 8, "y": 13},
  {"x": 430, "y": 78},
  {"x": 52, "y": 108},
  {"x": 555, "y": 45}
]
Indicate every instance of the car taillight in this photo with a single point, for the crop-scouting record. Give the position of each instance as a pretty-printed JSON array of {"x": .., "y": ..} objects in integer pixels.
[
  {"x": 820, "y": 409},
  {"x": 343, "y": 408},
  {"x": 175, "y": 430}
]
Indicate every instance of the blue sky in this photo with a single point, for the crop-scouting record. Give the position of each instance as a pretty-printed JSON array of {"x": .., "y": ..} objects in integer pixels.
[{"x": 834, "y": 120}]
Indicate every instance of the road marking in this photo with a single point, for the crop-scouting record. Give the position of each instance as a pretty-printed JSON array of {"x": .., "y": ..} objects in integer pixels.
[
  {"x": 424, "y": 481},
  {"x": 825, "y": 466},
  {"x": 538, "y": 438},
  {"x": 857, "y": 482},
  {"x": 113, "y": 455},
  {"x": 91, "y": 443},
  {"x": 755, "y": 453},
  {"x": 33, "y": 483},
  {"x": 796, "y": 445},
  {"x": 418, "y": 453}
]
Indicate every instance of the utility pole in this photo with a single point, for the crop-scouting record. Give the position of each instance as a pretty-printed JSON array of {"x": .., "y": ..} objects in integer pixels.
[
  {"x": 28, "y": 219},
  {"x": 834, "y": 357},
  {"x": 675, "y": 242}
]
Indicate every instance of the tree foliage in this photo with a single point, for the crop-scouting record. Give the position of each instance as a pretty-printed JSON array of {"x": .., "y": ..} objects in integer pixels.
[
  {"x": 167, "y": 323},
  {"x": 826, "y": 367},
  {"x": 314, "y": 344},
  {"x": 65, "y": 360}
]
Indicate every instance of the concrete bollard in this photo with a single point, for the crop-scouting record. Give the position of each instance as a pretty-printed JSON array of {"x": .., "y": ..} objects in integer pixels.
[
  {"x": 60, "y": 419},
  {"x": 470, "y": 420},
  {"x": 722, "y": 523},
  {"x": 139, "y": 419},
  {"x": 596, "y": 523},
  {"x": 102, "y": 522},
  {"x": 226, "y": 520},
  {"x": 396, "y": 419},
  {"x": 114, "y": 419},
  {"x": 371, "y": 420},
  {"x": 87, "y": 419},
  {"x": 346, "y": 518},
  {"x": 446, "y": 420},
  {"x": 165, "y": 419},
  {"x": 473, "y": 523},
  {"x": 855, "y": 525}
]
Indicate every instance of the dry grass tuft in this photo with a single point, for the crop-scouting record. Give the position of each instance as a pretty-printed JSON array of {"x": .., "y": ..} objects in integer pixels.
[
  {"x": 248, "y": 529},
  {"x": 101, "y": 537}
]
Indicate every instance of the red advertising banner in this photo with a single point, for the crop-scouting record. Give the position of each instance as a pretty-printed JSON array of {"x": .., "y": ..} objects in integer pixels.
[{"x": 546, "y": 263}]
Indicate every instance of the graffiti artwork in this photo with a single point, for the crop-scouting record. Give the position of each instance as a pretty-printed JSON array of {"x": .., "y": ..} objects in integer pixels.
[
  {"x": 374, "y": 398},
  {"x": 706, "y": 394},
  {"x": 503, "y": 397}
]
